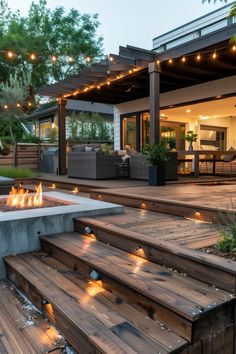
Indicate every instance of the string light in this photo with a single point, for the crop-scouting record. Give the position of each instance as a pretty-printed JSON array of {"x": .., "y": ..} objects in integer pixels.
[
  {"x": 170, "y": 61},
  {"x": 70, "y": 60},
  {"x": 53, "y": 58},
  {"x": 234, "y": 48},
  {"x": 108, "y": 83},
  {"x": 32, "y": 56},
  {"x": 183, "y": 59},
  {"x": 198, "y": 57},
  {"x": 18, "y": 105},
  {"x": 111, "y": 58},
  {"x": 10, "y": 54},
  {"x": 88, "y": 59},
  {"x": 29, "y": 104},
  {"x": 214, "y": 55},
  {"x": 5, "y": 106},
  {"x": 158, "y": 62},
  {"x": 98, "y": 87},
  {"x": 130, "y": 71}
]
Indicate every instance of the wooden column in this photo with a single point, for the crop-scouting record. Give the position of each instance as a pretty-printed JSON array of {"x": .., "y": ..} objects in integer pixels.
[
  {"x": 62, "y": 170},
  {"x": 154, "y": 70}
]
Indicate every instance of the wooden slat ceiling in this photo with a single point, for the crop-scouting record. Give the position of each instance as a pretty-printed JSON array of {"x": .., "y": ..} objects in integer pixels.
[{"x": 133, "y": 85}]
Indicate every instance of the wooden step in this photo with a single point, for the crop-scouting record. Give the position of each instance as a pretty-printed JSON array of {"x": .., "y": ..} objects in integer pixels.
[
  {"x": 22, "y": 328},
  {"x": 185, "y": 305},
  {"x": 92, "y": 319},
  {"x": 207, "y": 268}
]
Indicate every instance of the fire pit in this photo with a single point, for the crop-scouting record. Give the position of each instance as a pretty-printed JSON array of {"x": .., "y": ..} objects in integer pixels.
[
  {"x": 21, "y": 199},
  {"x": 22, "y": 224}
]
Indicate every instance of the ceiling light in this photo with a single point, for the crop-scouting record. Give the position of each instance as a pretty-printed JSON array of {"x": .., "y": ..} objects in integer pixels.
[{"x": 188, "y": 110}]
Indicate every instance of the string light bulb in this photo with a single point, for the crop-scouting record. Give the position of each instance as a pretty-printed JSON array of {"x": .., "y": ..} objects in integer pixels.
[
  {"x": 170, "y": 61},
  {"x": 32, "y": 56},
  {"x": 98, "y": 87},
  {"x": 10, "y": 54},
  {"x": 54, "y": 58},
  {"x": 18, "y": 105},
  {"x": 88, "y": 59},
  {"x": 183, "y": 59},
  {"x": 130, "y": 71},
  {"x": 5, "y": 106},
  {"x": 108, "y": 83},
  {"x": 214, "y": 55},
  {"x": 234, "y": 48},
  {"x": 111, "y": 58},
  {"x": 70, "y": 60},
  {"x": 29, "y": 104},
  {"x": 198, "y": 57}
]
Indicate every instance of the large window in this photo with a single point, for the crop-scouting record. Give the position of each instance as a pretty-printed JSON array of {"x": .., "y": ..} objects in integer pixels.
[
  {"x": 45, "y": 129},
  {"x": 213, "y": 136},
  {"x": 129, "y": 132},
  {"x": 136, "y": 132}
]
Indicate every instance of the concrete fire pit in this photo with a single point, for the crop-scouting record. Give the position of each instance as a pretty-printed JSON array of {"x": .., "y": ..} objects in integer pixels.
[{"x": 20, "y": 230}]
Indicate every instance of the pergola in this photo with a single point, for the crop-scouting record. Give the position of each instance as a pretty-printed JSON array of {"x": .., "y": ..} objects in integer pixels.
[{"x": 137, "y": 73}]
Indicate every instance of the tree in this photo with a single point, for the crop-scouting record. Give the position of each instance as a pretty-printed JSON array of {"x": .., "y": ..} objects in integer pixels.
[
  {"x": 12, "y": 92},
  {"x": 70, "y": 37},
  {"x": 233, "y": 9}
]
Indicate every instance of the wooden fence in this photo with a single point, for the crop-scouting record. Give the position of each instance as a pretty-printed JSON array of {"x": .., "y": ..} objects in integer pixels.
[{"x": 26, "y": 155}]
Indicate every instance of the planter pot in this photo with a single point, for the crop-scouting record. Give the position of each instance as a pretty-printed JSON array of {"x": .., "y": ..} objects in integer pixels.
[{"x": 157, "y": 176}]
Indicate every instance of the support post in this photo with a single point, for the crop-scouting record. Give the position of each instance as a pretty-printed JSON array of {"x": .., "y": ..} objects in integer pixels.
[
  {"x": 154, "y": 70},
  {"x": 62, "y": 170}
]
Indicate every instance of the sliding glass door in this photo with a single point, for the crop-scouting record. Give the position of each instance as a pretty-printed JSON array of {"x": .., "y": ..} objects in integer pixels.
[{"x": 135, "y": 132}]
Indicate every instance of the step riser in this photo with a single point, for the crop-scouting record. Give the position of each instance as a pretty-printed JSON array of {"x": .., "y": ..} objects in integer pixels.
[
  {"x": 159, "y": 206},
  {"x": 79, "y": 342},
  {"x": 220, "y": 317},
  {"x": 161, "y": 255}
]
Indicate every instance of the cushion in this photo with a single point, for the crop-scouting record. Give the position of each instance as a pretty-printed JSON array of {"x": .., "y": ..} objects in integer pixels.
[
  {"x": 88, "y": 148},
  {"x": 97, "y": 149},
  {"x": 125, "y": 158},
  {"x": 121, "y": 152},
  {"x": 228, "y": 158},
  {"x": 79, "y": 148},
  {"x": 209, "y": 147},
  {"x": 131, "y": 152}
]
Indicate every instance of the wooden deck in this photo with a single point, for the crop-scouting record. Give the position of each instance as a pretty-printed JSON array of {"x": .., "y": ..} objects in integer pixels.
[{"x": 162, "y": 227}]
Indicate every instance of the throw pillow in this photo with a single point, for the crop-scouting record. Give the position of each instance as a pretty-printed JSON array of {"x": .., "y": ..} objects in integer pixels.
[{"x": 88, "y": 148}]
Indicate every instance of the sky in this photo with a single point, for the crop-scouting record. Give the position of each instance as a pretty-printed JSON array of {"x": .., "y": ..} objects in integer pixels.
[{"x": 133, "y": 22}]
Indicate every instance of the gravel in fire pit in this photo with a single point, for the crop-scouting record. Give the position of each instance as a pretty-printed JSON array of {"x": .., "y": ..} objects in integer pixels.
[{"x": 47, "y": 203}]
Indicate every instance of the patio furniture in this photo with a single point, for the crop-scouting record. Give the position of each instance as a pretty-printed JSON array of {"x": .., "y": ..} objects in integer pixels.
[
  {"x": 92, "y": 165},
  {"x": 6, "y": 184},
  {"x": 49, "y": 161},
  {"x": 139, "y": 167}
]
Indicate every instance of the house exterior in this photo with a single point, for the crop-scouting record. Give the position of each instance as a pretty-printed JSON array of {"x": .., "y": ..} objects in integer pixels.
[
  {"x": 213, "y": 121},
  {"x": 186, "y": 82},
  {"x": 42, "y": 122}
]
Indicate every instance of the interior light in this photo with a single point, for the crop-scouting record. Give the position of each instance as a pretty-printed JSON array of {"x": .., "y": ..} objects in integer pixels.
[{"x": 188, "y": 110}]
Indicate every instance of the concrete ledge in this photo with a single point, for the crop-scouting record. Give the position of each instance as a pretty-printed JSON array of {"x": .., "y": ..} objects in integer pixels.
[{"x": 20, "y": 230}]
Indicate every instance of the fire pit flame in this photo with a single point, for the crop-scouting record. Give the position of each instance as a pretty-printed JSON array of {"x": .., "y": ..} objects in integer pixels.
[{"x": 19, "y": 198}]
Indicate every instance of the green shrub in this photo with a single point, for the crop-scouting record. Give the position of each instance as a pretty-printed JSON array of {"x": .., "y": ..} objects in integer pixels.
[
  {"x": 16, "y": 172},
  {"x": 227, "y": 243},
  {"x": 29, "y": 138}
]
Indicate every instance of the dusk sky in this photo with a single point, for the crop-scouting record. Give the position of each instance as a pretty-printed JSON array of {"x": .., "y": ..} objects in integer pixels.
[{"x": 133, "y": 22}]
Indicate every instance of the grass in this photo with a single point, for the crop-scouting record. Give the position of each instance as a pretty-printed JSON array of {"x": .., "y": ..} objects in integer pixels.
[{"x": 16, "y": 172}]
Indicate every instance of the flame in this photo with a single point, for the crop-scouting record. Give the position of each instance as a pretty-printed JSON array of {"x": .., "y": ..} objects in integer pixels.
[{"x": 19, "y": 198}]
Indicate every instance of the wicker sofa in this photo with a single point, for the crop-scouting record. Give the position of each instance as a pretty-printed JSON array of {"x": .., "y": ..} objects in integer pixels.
[
  {"x": 139, "y": 167},
  {"x": 91, "y": 164}
]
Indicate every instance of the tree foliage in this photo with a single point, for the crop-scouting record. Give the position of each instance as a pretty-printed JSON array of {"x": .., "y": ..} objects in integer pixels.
[{"x": 47, "y": 32}]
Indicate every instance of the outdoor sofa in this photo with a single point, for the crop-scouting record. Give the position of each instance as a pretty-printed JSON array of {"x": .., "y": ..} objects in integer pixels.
[{"x": 88, "y": 161}]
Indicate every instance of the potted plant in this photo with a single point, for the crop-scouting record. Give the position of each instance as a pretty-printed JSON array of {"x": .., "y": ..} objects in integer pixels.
[
  {"x": 191, "y": 137},
  {"x": 4, "y": 149},
  {"x": 157, "y": 156}
]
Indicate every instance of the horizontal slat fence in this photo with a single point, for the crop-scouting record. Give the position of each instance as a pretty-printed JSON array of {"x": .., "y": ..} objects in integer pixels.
[{"x": 27, "y": 155}]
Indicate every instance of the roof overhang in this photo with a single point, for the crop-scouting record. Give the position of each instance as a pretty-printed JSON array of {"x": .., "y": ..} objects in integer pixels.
[{"x": 124, "y": 77}]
